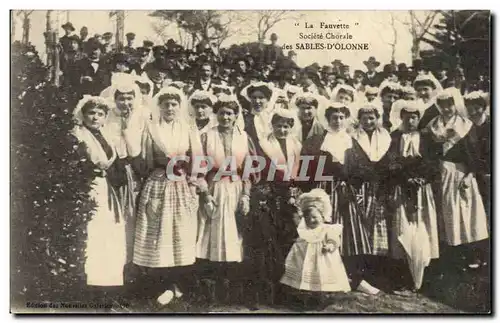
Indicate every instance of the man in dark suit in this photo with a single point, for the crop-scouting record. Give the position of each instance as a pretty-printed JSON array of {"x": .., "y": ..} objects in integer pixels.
[
  {"x": 84, "y": 36},
  {"x": 65, "y": 40},
  {"x": 204, "y": 81},
  {"x": 69, "y": 59},
  {"x": 108, "y": 47},
  {"x": 141, "y": 60},
  {"x": 372, "y": 77},
  {"x": 273, "y": 52},
  {"x": 158, "y": 63},
  {"x": 93, "y": 73},
  {"x": 129, "y": 49}
]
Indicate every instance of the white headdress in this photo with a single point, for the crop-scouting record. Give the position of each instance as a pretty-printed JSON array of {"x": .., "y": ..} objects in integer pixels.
[
  {"x": 89, "y": 99},
  {"x": 479, "y": 96},
  {"x": 458, "y": 100},
  {"x": 270, "y": 86},
  {"x": 308, "y": 96},
  {"x": 225, "y": 89},
  {"x": 428, "y": 77},
  {"x": 143, "y": 79},
  {"x": 398, "y": 106},
  {"x": 124, "y": 83},
  {"x": 200, "y": 95},
  {"x": 375, "y": 105},
  {"x": 240, "y": 122},
  {"x": 183, "y": 113}
]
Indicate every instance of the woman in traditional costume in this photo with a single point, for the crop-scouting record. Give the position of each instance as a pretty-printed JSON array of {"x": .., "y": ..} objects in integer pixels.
[
  {"x": 227, "y": 201},
  {"x": 347, "y": 96},
  {"x": 477, "y": 109},
  {"x": 260, "y": 235},
  {"x": 456, "y": 140},
  {"x": 330, "y": 149},
  {"x": 413, "y": 240},
  {"x": 389, "y": 93},
  {"x": 367, "y": 170},
  {"x": 201, "y": 111},
  {"x": 127, "y": 118},
  {"x": 165, "y": 236},
  {"x": 305, "y": 105},
  {"x": 427, "y": 87},
  {"x": 106, "y": 250},
  {"x": 282, "y": 154}
]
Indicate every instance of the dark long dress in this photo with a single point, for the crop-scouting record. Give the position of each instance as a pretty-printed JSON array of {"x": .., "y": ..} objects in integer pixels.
[
  {"x": 346, "y": 211},
  {"x": 370, "y": 181},
  {"x": 268, "y": 234},
  {"x": 483, "y": 133}
]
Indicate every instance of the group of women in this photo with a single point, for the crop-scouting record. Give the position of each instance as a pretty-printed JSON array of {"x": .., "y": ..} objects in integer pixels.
[{"x": 402, "y": 172}]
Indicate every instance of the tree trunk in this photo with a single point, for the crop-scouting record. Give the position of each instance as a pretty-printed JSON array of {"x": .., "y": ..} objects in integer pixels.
[
  {"x": 26, "y": 30},
  {"x": 415, "y": 52},
  {"x": 260, "y": 38},
  {"x": 193, "y": 39},
  {"x": 120, "y": 27},
  {"x": 48, "y": 39}
]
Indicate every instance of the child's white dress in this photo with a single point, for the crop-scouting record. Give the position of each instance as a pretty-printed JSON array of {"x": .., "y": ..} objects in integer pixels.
[{"x": 308, "y": 267}]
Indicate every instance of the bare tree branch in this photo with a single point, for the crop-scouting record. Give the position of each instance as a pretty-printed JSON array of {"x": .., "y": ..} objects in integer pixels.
[{"x": 267, "y": 19}]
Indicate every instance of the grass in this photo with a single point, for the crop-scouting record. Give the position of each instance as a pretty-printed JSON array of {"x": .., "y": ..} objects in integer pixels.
[{"x": 455, "y": 292}]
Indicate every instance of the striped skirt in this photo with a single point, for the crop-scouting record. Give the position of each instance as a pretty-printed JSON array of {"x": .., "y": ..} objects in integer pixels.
[
  {"x": 346, "y": 211},
  {"x": 218, "y": 236},
  {"x": 165, "y": 234},
  {"x": 375, "y": 212}
]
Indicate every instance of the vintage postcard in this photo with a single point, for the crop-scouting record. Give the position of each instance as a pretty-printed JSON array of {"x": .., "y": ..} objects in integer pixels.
[{"x": 208, "y": 161}]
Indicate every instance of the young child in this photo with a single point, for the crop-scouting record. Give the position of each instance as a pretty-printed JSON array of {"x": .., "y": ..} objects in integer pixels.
[{"x": 314, "y": 263}]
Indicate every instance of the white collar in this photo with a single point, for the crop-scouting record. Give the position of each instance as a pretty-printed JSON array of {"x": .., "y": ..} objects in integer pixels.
[{"x": 377, "y": 147}]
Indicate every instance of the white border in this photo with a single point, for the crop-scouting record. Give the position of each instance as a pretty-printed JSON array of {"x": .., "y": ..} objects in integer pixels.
[{"x": 254, "y": 4}]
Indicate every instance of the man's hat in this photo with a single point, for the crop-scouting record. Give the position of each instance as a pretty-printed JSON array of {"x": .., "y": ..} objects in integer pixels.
[
  {"x": 107, "y": 35},
  {"x": 372, "y": 61},
  {"x": 390, "y": 69},
  {"x": 130, "y": 36},
  {"x": 69, "y": 26},
  {"x": 337, "y": 62},
  {"x": 148, "y": 43}
]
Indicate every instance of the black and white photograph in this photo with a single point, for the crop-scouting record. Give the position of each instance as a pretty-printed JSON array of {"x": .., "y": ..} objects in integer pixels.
[{"x": 250, "y": 161}]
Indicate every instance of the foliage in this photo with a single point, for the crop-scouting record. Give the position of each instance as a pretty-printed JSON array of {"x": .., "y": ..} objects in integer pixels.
[
  {"x": 462, "y": 38},
  {"x": 204, "y": 26},
  {"x": 49, "y": 187}
]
